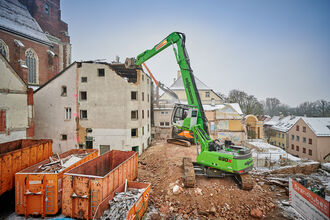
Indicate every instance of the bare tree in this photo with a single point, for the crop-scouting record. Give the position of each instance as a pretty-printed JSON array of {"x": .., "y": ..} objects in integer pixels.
[
  {"x": 248, "y": 103},
  {"x": 272, "y": 106}
]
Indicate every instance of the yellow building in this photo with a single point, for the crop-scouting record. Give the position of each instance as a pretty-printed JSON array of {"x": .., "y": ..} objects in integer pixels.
[
  {"x": 254, "y": 127},
  {"x": 225, "y": 122},
  {"x": 279, "y": 135}
]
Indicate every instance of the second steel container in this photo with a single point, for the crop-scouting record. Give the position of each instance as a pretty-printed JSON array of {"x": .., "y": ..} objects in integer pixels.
[
  {"x": 87, "y": 185},
  {"x": 38, "y": 189},
  {"x": 18, "y": 155}
]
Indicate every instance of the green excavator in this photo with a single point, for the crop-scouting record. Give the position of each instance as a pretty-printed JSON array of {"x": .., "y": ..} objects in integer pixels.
[{"x": 215, "y": 158}]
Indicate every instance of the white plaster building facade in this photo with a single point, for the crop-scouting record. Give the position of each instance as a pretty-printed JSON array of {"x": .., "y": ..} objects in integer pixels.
[
  {"x": 16, "y": 105},
  {"x": 106, "y": 107}
]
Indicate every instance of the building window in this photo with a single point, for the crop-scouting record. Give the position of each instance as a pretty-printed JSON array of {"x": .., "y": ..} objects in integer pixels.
[
  {"x": 304, "y": 150},
  {"x": 282, "y": 145},
  {"x": 167, "y": 124},
  {"x": 83, "y": 79},
  {"x": 304, "y": 139},
  {"x": 133, "y": 95},
  {"x": 142, "y": 114},
  {"x": 292, "y": 146},
  {"x": 207, "y": 94},
  {"x": 164, "y": 112},
  {"x": 47, "y": 9},
  {"x": 63, "y": 91},
  {"x": 304, "y": 129},
  {"x": 83, "y": 114},
  {"x": 31, "y": 63},
  {"x": 142, "y": 130},
  {"x": 161, "y": 124},
  {"x": 136, "y": 148},
  {"x": 310, "y": 152},
  {"x": 148, "y": 98},
  {"x": 292, "y": 137},
  {"x": 4, "y": 49},
  {"x": 297, "y": 128},
  {"x": 101, "y": 72},
  {"x": 64, "y": 137},
  {"x": 135, "y": 114},
  {"x": 310, "y": 141},
  {"x": 83, "y": 96},
  {"x": 134, "y": 132},
  {"x": 297, "y": 148},
  {"x": 297, "y": 138},
  {"x": 67, "y": 113},
  {"x": 148, "y": 127},
  {"x": 3, "y": 120},
  {"x": 142, "y": 96},
  {"x": 283, "y": 136}
]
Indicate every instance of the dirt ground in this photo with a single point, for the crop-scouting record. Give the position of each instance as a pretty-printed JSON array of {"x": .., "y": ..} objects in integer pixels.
[{"x": 212, "y": 198}]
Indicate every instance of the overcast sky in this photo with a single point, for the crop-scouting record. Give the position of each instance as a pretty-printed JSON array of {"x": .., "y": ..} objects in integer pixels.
[{"x": 274, "y": 48}]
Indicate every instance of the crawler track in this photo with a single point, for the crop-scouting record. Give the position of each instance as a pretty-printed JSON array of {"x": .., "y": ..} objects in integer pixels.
[
  {"x": 245, "y": 181},
  {"x": 179, "y": 142}
]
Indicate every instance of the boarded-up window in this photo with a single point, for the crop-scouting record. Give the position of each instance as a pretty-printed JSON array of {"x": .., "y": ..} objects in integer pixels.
[
  {"x": 310, "y": 152},
  {"x": 2, "y": 120},
  {"x": 310, "y": 141}
]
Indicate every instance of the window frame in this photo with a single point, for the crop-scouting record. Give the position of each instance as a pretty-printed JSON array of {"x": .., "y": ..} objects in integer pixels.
[
  {"x": 82, "y": 113},
  {"x": 100, "y": 72},
  {"x": 67, "y": 110},
  {"x": 83, "y": 96}
]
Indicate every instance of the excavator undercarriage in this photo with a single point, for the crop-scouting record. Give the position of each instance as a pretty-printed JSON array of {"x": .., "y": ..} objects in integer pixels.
[{"x": 192, "y": 169}]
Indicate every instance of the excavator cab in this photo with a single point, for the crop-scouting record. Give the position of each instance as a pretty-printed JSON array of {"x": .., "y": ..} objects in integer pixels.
[{"x": 184, "y": 116}]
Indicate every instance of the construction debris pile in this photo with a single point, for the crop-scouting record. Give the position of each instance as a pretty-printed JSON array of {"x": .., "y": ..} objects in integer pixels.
[
  {"x": 57, "y": 164},
  {"x": 210, "y": 198},
  {"x": 121, "y": 204}
]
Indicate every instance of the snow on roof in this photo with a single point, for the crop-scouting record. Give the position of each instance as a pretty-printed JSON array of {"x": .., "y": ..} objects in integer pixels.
[
  {"x": 320, "y": 126},
  {"x": 178, "y": 84},
  {"x": 285, "y": 123},
  {"x": 274, "y": 120},
  {"x": 234, "y": 106},
  {"x": 15, "y": 18}
]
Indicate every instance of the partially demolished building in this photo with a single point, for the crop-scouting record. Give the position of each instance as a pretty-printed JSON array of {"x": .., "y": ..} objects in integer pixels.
[{"x": 95, "y": 105}]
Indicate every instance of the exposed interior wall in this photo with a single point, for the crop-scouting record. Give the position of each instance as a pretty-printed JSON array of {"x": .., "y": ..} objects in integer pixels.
[{"x": 13, "y": 101}]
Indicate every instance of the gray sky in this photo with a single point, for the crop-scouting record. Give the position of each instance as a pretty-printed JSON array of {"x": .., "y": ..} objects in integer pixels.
[{"x": 274, "y": 48}]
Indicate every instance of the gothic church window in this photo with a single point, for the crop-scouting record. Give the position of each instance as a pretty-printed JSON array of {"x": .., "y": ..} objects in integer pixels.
[
  {"x": 4, "y": 49},
  {"x": 32, "y": 64}
]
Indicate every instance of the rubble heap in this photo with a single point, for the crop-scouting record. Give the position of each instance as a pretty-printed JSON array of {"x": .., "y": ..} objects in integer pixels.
[
  {"x": 57, "y": 164},
  {"x": 121, "y": 204}
]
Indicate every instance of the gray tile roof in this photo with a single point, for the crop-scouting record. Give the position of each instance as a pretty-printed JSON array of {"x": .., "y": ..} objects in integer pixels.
[
  {"x": 15, "y": 18},
  {"x": 178, "y": 84}
]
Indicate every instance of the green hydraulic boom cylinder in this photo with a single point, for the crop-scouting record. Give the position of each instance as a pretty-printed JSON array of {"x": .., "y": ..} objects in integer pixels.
[{"x": 186, "y": 71}]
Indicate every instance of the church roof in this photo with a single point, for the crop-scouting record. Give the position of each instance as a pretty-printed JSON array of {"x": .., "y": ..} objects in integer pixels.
[{"x": 15, "y": 18}]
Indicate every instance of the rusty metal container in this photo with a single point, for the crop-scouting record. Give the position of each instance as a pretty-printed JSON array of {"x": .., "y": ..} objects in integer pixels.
[
  {"x": 87, "y": 185},
  {"x": 39, "y": 192},
  {"x": 137, "y": 210},
  {"x": 18, "y": 155}
]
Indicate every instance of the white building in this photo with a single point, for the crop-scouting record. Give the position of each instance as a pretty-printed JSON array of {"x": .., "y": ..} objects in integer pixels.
[
  {"x": 95, "y": 105},
  {"x": 16, "y": 105}
]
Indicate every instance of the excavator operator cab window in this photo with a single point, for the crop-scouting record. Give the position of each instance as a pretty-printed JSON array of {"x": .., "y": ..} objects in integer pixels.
[{"x": 180, "y": 114}]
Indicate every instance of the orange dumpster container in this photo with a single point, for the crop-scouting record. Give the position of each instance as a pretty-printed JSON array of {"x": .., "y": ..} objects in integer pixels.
[
  {"x": 85, "y": 186},
  {"x": 137, "y": 210},
  {"x": 39, "y": 192},
  {"x": 18, "y": 155}
]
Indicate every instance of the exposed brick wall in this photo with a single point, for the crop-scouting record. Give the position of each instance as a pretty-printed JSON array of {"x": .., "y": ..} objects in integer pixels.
[
  {"x": 45, "y": 71},
  {"x": 30, "y": 97}
]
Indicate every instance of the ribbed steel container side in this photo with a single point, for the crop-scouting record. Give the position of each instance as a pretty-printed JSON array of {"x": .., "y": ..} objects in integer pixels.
[
  {"x": 85, "y": 186},
  {"x": 40, "y": 193},
  {"x": 18, "y": 155}
]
